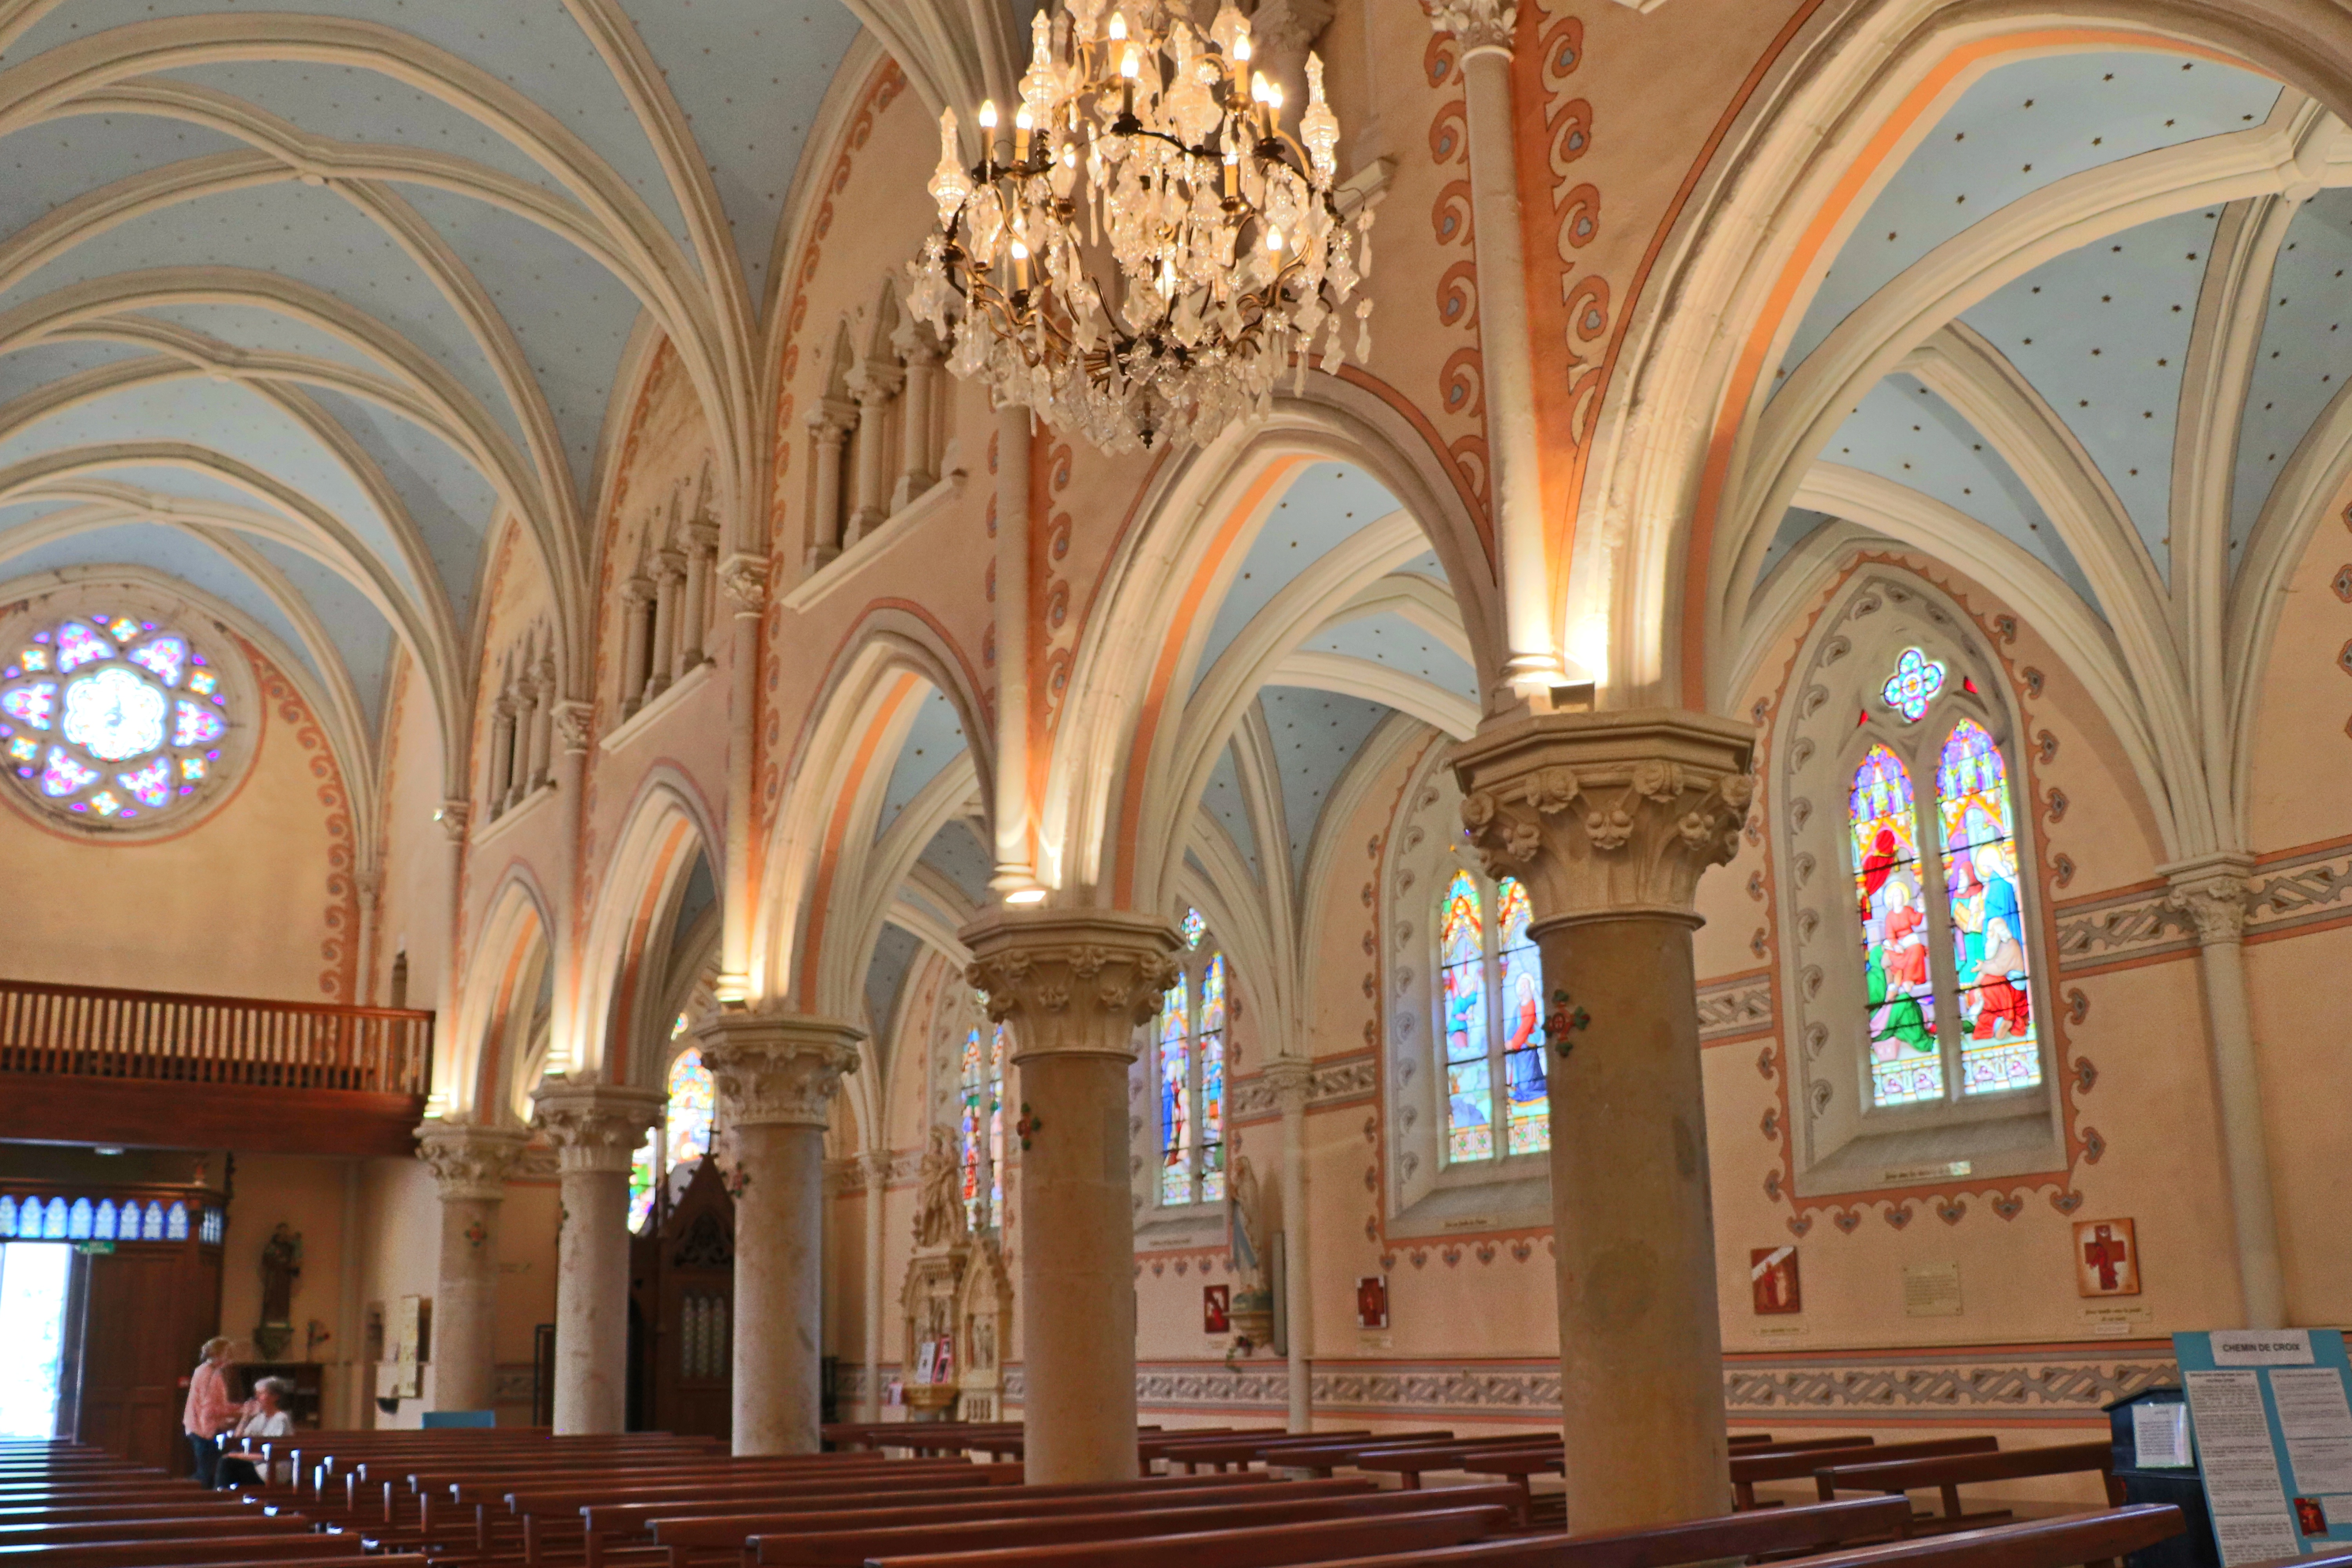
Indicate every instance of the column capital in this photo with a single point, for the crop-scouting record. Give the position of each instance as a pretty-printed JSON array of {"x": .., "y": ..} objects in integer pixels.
[
  {"x": 776, "y": 1070},
  {"x": 876, "y": 1165},
  {"x": 2213, "y": 892},
  {"x": 1059, "y": 975},
  {"x": 571, "y": 723},
  {"x": 1476, "y": 24},
  {"x": 593, "y": 1126},
  {"x": 669, "y": 564},
  {"x": 830, "y": 420},
  {"x": 874, "y": 382},
  {"x": 452, "y": 817},
  {"x": 1292, "y": 1079},
  {"x": 1606, "y": 815},
  {"x": 637, "y": 589},
  {"x": 744, "y": 580},
  {"x": 469, "y": 1160}
]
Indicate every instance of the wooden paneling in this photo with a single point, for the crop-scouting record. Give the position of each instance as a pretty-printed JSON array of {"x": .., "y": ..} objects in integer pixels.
[
  {"x": 71, "y": 1110},
  {"x": 147, "y": 1309}
]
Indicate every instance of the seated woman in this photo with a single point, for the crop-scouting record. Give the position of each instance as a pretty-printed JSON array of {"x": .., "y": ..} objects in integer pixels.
[{"x": 265, "y": 1416}]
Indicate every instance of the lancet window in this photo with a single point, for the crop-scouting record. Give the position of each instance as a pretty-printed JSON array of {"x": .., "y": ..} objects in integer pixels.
[
  {"x": 682, "y": 1135},
  {"x": 979, "y": 1123},
  {"x": 1190, "y": 1059},
  {"x": 1489, "y": 996}
]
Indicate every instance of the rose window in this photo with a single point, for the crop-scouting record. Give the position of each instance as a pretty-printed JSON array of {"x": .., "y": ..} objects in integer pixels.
[{"x": 112, "y": 719}]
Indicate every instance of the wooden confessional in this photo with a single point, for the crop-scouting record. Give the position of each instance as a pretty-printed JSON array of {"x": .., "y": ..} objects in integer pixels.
[{"x": 682, "y": 1309}]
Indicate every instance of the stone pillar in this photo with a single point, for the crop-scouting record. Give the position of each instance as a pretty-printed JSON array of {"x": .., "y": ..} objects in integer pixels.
[
  {"x": 743, "y": 589},
  {"x": 1482, "y": 29},
  {"x": 502, "y": 750},
  {"x": 542, "y": 732},
  {"x": 694, "y": 626},
  {"x": 595, "y": 1128},
  {"x": 525, "y": 734},
  {"x": 1015, "y": 872},
  {"x": 776, "y": 1074},
  {"x": 469, "y": 1163},
  {"x": 637, "y": 628},
  {"x": 1609, "y": 819},
  {"x": 875, "y": 384},
  {"x": 876, "y": 1166},
  {"x": 829, "y": 424},
  {"x": 1292, "y": 1078},
  {"x": 2213, "y": 891},
  {"x": 1074, "y": 985},
  {"x": 669, "y": 588},
  {"x": 918, "y": 346}
]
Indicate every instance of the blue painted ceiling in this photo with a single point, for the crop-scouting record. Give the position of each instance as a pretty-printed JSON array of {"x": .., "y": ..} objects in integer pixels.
[
  {"x": 934, "y": 739},
  {"x": 744, "y": 80}
]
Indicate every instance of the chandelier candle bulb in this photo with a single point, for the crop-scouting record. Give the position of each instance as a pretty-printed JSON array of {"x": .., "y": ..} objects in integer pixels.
[{"x": 1212, "y": 252}]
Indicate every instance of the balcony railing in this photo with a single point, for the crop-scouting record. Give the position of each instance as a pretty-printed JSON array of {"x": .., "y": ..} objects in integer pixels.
[{"x": 162, "y": 1036}]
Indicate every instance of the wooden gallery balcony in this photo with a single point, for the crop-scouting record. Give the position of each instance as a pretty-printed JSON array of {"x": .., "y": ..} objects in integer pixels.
[{"x": 159, "y": 1069}]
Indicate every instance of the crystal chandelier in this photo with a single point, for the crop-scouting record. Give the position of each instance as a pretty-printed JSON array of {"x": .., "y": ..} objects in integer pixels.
[{"x": 1158, "y": 249}]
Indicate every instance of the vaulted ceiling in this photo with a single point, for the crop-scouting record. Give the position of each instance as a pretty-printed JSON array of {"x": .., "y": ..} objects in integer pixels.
[{"x": 298, "y": 303}]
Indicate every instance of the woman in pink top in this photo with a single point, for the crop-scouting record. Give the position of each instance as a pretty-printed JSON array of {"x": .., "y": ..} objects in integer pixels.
[{"x": 210, "y": 1409}]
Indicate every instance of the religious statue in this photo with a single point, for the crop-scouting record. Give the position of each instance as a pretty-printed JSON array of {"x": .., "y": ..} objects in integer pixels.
[
  {"x": 1249, "y": 1237},
  {"x": 940, "y": 1219},
  {"x": 281, "y": 1265}
]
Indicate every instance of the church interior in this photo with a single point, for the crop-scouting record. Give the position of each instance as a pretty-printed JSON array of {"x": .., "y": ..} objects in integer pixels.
[{"x": 988, "y": 740}]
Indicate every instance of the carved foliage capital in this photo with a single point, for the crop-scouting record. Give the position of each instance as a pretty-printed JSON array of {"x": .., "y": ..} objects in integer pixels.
[
  {"x": 1476, "y": 24},
  {"x": 452, "y": 817},
  {"x": 593, "y": 1126},
  {"x": 1071, "y": 982},
  {"x": 1606, "y": 814},
  {"x": 1292, "y": 1081},
  {"x": 470, "y": 1162},
  {"x": 776, "y": 1070},
  {"x": 2214, "y": 900},
  {"x": 744, "y": 580},
  {"x": 572, "y": 720}
]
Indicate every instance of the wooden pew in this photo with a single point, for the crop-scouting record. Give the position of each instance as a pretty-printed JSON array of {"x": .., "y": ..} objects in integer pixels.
[
  {"x": 1780, "y": 1532},
  {"x": 1236, "y": 1546},
  {"x": 482, "y": 1494},
  {"x": 2101, "y": 1540},
  {"x": 1242, "y": 1451},
  {"x": 210, "y": 1548},
  {"x": 1949, "y": 1474},
  {"x": 1320, "y": 1458},
  {"x": 1796, "y": 1464}
]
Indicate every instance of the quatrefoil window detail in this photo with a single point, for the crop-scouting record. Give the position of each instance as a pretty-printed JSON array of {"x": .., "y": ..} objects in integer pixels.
[{"x": 1913, "y": 686}]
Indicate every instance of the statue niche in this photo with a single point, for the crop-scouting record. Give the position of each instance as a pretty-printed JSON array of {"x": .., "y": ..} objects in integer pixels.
[{"x": 956, "y": 1299}]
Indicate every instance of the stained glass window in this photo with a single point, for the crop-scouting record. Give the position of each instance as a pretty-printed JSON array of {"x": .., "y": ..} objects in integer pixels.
[
  {"x": 1190, "y": 1062},
  {"x": 1175, "y": 1095},
  {"x": 110, "y": 718},
  {"x": 1907, "y": 1064},
  {"x": 682, "y": 1134},
  {"x": 979, "y": 1122},
  {"x": 1913, "y": 686},
  {"x": 1990, "y": 970},
  {"x": 1462, "y": 983},
  {"x": 1490, "y": 1004}
]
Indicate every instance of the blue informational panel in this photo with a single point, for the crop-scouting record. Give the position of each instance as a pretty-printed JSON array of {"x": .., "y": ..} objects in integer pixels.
[{"x": 2273, "y": 1430}]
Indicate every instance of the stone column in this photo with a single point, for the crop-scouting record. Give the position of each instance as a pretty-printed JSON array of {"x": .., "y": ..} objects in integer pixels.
[
  {"x": 829, "y": 424},
  {"x": 875, "y": 384},
  {"x": 776, "y": 1074},
  {"x": 1482, "y": 29},
  {"x": 744, "y": 590},
  {"x": 1292, "y": 1078},
  {"x": 693, "y": 627},
  {"x": 669, "y": 589},
  {"x": 918, "y": 346},
  {"x": 502, "y": 750},
  {"x": 1074, "y": 985},
  {"x": 876, "y": 1166},
  {"x": 1609, "y": 819},
  {"x": 469, "y": 1163},
  {"x": 637, "y": 634},
  {"x": 595, "y": 1128},
  {"x": 2213, "y": 891},
  {"x": 1015, "y": 872},
  {"x": 526, "y": 737}
]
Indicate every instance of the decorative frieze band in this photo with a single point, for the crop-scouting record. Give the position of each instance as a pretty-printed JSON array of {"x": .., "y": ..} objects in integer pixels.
[
  {"x": 2065, "y": 1383},
  {"x": 1735, "y": 1006},
  {"x": 2307, "y": 887},
  {"x": 1337, "y": 1081}
]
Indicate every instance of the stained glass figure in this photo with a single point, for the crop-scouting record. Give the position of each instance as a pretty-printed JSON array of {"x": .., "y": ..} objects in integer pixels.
[
  {"x": 104, "y": 1229},
  {"x": 972, "y": 1117},
  {"x": 1212, "y": 1081},
  {"x": 1175, "y": 1096},
  {"x": 53, "y": 1221},
  {"x": 1907, "y": 1064},
  {"x": 1462, "y": 986},
  {"x": 8, "y": 1218},
  {"x": 1913, "y": 686},
  {"x": 1991, "y": 970},
  {"x": 641, "y": 1179},
  {"x": 79, "y": 1219},
  {"x": 996, "y": 1125},
  {"x": 1528, "y": 1125},
  {"x": 175, "y": 1222},
  {"x": 693, "y": 1106},
  {"x": 118, "y": 745},
  {"x": 151, "y": 1225},
  {"x": 1195, "y": 928}
]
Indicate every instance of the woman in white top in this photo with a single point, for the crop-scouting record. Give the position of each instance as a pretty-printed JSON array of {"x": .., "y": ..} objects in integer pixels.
[{"x": 266, "y": 1415}]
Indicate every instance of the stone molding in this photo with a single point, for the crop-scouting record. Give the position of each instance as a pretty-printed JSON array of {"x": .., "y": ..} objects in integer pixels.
[
  {"x": 573, "y": 721},
  {"x": 1330, "y": 1083},
  {"x": 2155, "y": 921},
  {"x": 593, "y": 1126},
  {"x": 776, "y": 1070},
  {"x": 1735, "y": 1006},
  {"x": 1290, "y": 1081},
  {"x": 744, "y": 580},
  {"x": 470, "y": 1162},
  {"x": 1072, "y": 982},
  {"x": 452, "y": 817},
  {"x": 1476, "y": 24},
  {"x": 1606, "y": 815},
  {"x": 2058, "y": 1385}
]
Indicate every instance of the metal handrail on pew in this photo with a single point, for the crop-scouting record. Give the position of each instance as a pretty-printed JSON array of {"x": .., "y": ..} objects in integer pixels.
[
  {"x": 1260, "y": 1546},
  {"x": 1035, "y": 1538}
]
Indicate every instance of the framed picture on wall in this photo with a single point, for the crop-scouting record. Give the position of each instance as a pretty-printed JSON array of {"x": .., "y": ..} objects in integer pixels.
[
  {"x": 1216, "y": 1309},
  {"x": 1772, "y": 1280},
  {"x": 2106, "y": 1257},
  {"x": 1372, "y": 1301}
]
